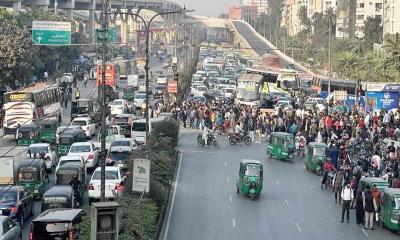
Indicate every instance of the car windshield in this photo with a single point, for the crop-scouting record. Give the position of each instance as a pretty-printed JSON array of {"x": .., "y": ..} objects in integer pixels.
[
  {"x": 8, "y": 196},
  {"x": 38, "y": 149},
  {"x": 140, "y": 96},
  {"x": 79, "y": 123},
  {"x": 319, "y": 151},
  {"x": 110, "y": 175},
  {"x": 119, "y": 155},
  {"x": 252, "y": 170},
  {"x": 121, "y": 143},
  {"x": 66, "y": 139},
  {"x": 121, "y": 120},
  {"x": 139, "y": 126},
  {"x": 69, "y": 161},
  {"x": 159, "y": 87},
  {"x": 289, "y": 141},
  {"x": 80, "y": 148}
]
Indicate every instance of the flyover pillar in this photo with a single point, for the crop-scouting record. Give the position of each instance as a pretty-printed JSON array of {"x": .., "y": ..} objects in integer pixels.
[
  {"x": 124, "y": 28},
  {"x": 17, "y": 6},
  {"x": 91, "y": 27},
  {"x": 44, "y": 4},
  {"x": 68, "y": 6}
]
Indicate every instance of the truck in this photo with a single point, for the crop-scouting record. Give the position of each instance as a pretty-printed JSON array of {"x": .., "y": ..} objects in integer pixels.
[{"x": 10, "y": 159}]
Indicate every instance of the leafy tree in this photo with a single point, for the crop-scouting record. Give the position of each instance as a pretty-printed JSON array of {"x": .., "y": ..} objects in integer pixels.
[
  {"x": 302, "y": 15},
  {"x": 373, "y": 31}
]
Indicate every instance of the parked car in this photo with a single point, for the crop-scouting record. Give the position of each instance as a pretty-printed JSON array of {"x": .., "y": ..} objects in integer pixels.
[
  {"x": 139, "y": 99},
  {"x": 114, "y": 177},
  {"x": 50, "y": 155},
  {"x": 86, "y": 124},
  {"x": 10, "y": 230},
  {"x": 67, "y": 77},
  {"x": 56, "y": 223},
  {"x": 214, "y": 96},
  {"x": 16, "y": 203},
  {"x": 87, "y": 150}
]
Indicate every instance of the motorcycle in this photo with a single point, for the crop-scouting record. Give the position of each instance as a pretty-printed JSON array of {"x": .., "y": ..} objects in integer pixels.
[
  {"x": 235, "y": 138},
  {"x": 301, "y": 150},
  {"x": 211, "y": 140}
]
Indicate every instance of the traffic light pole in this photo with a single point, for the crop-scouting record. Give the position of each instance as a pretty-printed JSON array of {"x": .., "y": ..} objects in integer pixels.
[{"x": 103, "y": 101}]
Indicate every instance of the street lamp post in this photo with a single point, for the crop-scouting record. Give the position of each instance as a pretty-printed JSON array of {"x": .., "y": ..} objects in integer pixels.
[{"x": 146, "y": 68}]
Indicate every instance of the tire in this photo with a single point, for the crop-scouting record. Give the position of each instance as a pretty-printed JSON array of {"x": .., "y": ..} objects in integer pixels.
[
  {"x": 247, "y": 140},
  {"x": 22, "y": 220},
  {"x": 237, "y": 189},
  {"x": 232, "y": 141}
]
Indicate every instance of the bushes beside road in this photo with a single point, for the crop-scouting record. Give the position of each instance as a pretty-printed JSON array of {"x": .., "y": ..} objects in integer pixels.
[{"x": 141, "y": 216}]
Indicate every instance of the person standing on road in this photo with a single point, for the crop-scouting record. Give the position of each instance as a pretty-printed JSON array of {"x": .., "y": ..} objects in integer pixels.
[
  {"x": 338, "y": 185},
  {"x": 347, "y": 197},
  {"x": 46, "y": 76},
  {"x": 85, "y": 80},
  {"x": 359, "y": 208},
  {"x": 377, "y": 197},
  {"x": 370, "y": 207}
]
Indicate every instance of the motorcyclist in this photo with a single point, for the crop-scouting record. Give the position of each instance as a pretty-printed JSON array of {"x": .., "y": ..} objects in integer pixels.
[
  {"x": 76, "y": 185},
  {"x": 205, "y": 135},
  {"x": 300, "y": 141},
  {"x": 329, "y": 170}
]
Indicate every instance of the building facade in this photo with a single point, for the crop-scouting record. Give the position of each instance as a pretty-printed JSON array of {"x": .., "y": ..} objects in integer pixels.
[
  {"x": 290, "y": 17},
  {"x": 391, "y": 17},
  {"x": 262, "y": 5}
]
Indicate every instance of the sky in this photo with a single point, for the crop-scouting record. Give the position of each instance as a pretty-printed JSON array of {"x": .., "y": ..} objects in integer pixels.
[{"x": 212, "y": 8}]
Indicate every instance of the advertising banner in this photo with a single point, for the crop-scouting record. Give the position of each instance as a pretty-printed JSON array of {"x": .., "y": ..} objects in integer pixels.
[
  {"x": 172, "y": 86},
  {"x": 377, "y": 100}
]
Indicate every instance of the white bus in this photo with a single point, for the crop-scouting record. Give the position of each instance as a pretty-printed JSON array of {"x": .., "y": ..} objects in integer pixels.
[
  {"x": 287, "y": 79},
  {"x": 30, "y": 104}
]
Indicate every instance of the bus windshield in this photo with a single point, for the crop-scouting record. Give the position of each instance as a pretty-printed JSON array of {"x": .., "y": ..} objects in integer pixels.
[{"x": 247, "y": 91}]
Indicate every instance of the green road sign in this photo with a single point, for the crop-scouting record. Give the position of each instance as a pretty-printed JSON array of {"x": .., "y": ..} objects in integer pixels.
[
  {"x": 111, "y": 35},
  {"x": 51, "y": 33}
]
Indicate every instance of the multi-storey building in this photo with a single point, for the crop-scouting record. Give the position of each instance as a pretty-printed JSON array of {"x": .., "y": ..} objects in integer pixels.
[
  {"x": 391, "y": 16},
  {"x": 290, "y": 17},
  {"x": 262, "y": 5}
]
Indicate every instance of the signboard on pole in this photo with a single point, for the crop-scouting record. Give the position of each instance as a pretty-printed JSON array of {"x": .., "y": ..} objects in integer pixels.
[
  {"x": 172, "y": 86},
  {"x": 141, "y": 175},
  {"x": 111, "y": 35},
  {"x": 51, "y": 33},
  {"x": 340, "y": 95}
]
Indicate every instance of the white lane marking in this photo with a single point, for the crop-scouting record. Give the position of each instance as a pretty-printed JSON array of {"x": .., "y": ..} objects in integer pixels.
[
  {"x": 365, "y": 232},
  {"x": 195, "y": 151},
  {"x": 225, "y": 163},
  {"x": 286, "y": 201},
  {"x": 173, "y": 197},
  {"x": 227, "y": 179},
  {"x": 298, "y": 227},
  {"x": 277, "y": 182},
  {"x": 233, "y": 222},
  {"x": 230, "y": 197}
]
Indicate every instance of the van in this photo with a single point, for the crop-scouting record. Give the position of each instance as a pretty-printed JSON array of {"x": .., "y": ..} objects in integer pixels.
[{"x": 138, "y": 128}]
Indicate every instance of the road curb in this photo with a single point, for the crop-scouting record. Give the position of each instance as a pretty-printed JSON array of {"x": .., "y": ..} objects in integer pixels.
[{"x": 161, "y": 232}]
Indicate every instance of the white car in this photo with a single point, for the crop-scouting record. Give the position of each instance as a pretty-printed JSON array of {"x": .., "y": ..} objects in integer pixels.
[
  {"x": 69, "y": 159},
  {"x": 67, "y": 77},
  {"x": 199, "y": 90},
  {"x": 87, "y": 151},
  {"x": 227, "y": 91},
  {"x": 318, "y": 102},
  {"x": 50, "y": 155},
  {"x": 139, "y": 99},
  {"x": 118, "y": 106},
  {"x": 162, "y": 79},
  {"x": 194, "y": 85},
  {"x": 86, "y": 124},
  {"x": 113, "y": 176}
]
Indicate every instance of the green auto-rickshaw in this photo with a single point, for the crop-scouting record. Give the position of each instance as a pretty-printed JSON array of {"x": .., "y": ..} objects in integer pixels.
[
  {"x": 316, "y": 156},
  {"x": 48, "y": 130},
  {"x": 250, "y": 178},
  {"x": 390, "y": 209},
  {"x": 28, "y": 134},
  {"x": 67, "y": 138},
  {"x": 32, "y": 175},
  {"x": 370, "y": 181},
  {"x": 281, "y": 146}
]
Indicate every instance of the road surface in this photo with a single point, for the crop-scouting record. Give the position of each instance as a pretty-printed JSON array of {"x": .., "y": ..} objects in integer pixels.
[{"x": 291, "y": 206}]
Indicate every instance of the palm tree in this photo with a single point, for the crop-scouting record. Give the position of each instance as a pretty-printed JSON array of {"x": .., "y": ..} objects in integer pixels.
[{"x": 392, "y": 44}]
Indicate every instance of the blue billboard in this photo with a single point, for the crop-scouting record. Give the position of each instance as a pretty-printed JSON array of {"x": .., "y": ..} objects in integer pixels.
[{"x": 382, "y": 96}]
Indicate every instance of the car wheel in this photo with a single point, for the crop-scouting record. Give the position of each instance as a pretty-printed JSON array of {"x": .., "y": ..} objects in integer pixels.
[{"x": 22, "y": 220}]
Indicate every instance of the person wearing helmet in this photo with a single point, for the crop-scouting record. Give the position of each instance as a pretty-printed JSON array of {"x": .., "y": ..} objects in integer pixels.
[{"x": 76, "y": 184}]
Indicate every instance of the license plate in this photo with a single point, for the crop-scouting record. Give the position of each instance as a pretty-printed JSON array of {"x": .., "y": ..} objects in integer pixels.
[{"x": 35, "y": 191}]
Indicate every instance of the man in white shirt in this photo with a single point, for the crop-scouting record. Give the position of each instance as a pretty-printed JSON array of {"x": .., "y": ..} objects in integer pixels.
[{"x": 347, "y": 196}]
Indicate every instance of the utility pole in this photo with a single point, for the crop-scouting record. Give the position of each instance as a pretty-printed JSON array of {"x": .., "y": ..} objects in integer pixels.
[
  {"x": 102, "y": 91},
  {"x": 329, "y": 55}
]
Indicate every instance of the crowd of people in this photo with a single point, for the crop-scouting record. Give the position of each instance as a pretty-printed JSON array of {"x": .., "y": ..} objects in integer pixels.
[{"x": 359, "y": 143}]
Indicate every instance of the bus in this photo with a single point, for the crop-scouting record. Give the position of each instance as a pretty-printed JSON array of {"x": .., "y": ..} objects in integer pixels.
[
  {"x": 111, "y": 73},
  {"x": 253, "y": 85},
  {"x": 31, "y": 104},
  {"x": 287, "y": 79},
  {"x": 321, "y": 84}
]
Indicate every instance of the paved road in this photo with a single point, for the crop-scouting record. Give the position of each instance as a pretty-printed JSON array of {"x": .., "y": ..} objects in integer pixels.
[{"x": 291, "y": 206}]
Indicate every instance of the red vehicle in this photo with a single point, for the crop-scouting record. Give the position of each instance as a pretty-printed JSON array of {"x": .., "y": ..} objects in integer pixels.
[{"x": 111, "y": 73}]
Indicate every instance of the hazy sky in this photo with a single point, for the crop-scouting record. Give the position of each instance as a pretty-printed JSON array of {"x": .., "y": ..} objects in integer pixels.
[{"x": 208, "y": 7}]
